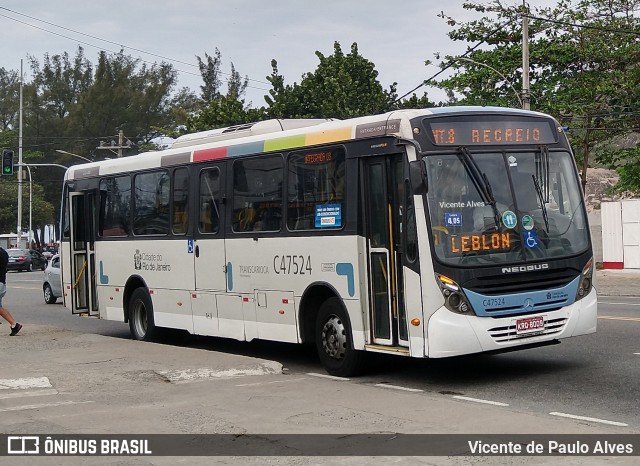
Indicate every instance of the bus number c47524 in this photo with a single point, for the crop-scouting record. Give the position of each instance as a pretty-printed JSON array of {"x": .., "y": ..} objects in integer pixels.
[{"x": 292, "y": 265}]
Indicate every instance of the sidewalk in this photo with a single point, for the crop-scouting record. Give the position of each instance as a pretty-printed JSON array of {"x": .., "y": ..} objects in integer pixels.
[{"x": 624, "y": 282}]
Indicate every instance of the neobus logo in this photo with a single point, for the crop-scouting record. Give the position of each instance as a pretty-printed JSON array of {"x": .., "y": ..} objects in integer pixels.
[{"x": 525, "y": 268}]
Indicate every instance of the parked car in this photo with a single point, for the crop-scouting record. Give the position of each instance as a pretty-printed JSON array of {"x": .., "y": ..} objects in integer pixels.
[
  {"x": 52, "y": 281},
  {"x": 25, "y": 259}
]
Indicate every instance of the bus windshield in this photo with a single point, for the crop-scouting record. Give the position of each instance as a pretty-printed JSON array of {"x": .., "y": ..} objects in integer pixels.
[{"x": 504, "y": 207}]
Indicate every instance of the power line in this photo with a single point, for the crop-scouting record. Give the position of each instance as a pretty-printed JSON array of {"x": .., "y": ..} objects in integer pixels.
[
  {"x": 585, "y": 26},
  {"x": 484, "y": 39},
  {"x": 451, "y": 62},
  {"x": 110, "y": 42}
]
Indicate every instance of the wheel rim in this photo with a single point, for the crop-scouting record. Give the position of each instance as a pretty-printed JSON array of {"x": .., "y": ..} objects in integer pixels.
[
  {"x": 334, "y": 338},
  {"x": 140, "y": 319},
  {"x": 47, "y": 293}
]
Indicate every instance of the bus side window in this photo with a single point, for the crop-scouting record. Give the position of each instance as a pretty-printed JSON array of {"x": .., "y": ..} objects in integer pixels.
[
  {"x": 209, "y": 196},
  {"x": 115, "y": 206},
  {"x": 180, "y": 201},
  {"x": 315, "y": 179},
  {"x": 257, "y": 194}
]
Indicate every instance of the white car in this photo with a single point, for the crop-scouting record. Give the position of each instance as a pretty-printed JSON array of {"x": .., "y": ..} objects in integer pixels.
[{"x": 52, "y": 281}]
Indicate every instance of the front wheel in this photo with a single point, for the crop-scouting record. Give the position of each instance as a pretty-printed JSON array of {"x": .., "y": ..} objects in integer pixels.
[
  {"x": 334, "y": 341},
  {"x": 141, "y": 322}
]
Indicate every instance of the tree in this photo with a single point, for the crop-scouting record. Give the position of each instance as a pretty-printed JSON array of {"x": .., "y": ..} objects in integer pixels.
[
  {"x": 342, "y": 86},
  {"x": 42, "y": 211},
  {"x": 9, "y": 98},
  {"x": 210, "y": 72},
  {"x": 126, "y": 95},
  {"x": 55, "y": 89},
  {"x": 184, "y": 103},
  {"x": 222, "y": 109},
  {"x": 583, "y": 65}
]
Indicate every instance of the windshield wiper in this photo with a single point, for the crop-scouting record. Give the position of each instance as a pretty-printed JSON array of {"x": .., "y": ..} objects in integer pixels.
[
  {"x": 542, "y": 203},
  {"x": 542, "y": 175},
  {"x": 480, "y": 181}
]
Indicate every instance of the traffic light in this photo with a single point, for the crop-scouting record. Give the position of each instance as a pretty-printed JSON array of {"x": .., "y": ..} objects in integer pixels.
[{"x": 7, "y": 162}]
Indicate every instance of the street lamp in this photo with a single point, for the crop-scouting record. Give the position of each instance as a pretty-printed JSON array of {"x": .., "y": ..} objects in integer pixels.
[{"x": 74, "y": 155}]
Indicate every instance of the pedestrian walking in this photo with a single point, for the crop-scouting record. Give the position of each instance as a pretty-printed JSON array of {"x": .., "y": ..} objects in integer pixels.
[{"x": 6, "y": 315}]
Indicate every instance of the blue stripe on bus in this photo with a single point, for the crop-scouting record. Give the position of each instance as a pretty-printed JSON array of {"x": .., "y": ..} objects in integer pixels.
[
  {"x": 229, "y": 276},
  {"x": 244, "y": 149},
  {"x": 520, "y": 303},
  {"x": 346, "y": 269}
]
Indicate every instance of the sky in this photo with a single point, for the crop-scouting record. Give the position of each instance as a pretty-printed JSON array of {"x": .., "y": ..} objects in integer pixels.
[{"x": 396, "y": 37}]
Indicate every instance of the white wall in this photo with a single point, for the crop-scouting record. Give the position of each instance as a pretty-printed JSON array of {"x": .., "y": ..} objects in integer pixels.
[{"x": 621, "y": 234}]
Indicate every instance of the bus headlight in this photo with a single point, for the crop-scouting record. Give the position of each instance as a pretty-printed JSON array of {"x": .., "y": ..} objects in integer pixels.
[
  {"x": 454, "y": 298},
  {"x": 586, "y": 280}
]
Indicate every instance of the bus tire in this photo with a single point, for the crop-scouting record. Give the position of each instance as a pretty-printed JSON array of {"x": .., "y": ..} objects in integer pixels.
[
  {"x": 141, "y": 322},
  {"x": 334, "y": 341}
]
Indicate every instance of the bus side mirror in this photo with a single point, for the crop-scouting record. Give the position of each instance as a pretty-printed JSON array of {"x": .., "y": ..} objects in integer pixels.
[{"x": 417, "y": 177}]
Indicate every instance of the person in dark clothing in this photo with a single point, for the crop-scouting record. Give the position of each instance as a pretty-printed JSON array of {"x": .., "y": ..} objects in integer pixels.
[{"x": 6, "y": 315}]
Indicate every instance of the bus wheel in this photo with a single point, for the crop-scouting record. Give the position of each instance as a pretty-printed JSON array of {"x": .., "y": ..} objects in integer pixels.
[
  {"x": 141, "y": 316},
  {"x": 334, "y": 342}
]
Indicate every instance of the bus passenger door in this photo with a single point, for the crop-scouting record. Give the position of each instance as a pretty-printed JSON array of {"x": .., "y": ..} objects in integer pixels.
[
  {"x": 209, "y": 251},
  {"x": 209, "y": 248},
  {"x": 383, "y": 197},
  {"x": 83, "y": 218}
]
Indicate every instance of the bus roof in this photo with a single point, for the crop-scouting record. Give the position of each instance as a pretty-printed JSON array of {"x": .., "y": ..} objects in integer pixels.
[{"x": 272, "y": 136}]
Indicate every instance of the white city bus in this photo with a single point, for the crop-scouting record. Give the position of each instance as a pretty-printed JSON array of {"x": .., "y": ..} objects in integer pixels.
[{"x": 420, "y": 233}]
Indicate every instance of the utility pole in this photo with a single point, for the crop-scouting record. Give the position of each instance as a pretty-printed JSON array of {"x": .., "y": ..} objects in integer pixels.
[
  {"x": 121, "y": 145},
  {"x": 526, "y": 97},
  {"x": 19, "y": 226}
]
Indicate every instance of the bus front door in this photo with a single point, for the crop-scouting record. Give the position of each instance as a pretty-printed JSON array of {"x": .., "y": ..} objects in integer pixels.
[
  {"x": 84, "y": 297},
  {"x": 384, "y": 195}
]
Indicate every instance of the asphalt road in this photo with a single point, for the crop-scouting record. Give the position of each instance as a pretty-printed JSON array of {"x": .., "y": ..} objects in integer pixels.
[
  {"x": 596, "y": 376},
  {"x": 70, "y": 374}
]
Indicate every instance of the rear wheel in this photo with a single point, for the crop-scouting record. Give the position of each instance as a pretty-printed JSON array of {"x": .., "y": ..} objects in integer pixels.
[
  {"x": 49, "y": 298},
  {"x": 334, "y": 341},
  {"x": 141, "y": 322}
]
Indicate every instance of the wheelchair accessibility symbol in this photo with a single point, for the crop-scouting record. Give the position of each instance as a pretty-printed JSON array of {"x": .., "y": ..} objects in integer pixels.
[{"x": 531, "y": 239}]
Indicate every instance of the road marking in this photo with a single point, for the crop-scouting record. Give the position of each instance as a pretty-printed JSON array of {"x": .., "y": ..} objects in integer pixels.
[
  {"x": 478, "y": 400},
  {"x": 592, "y": 419},
  {"x": 637, "y": 354},
  {"x": 622, "y": 304},
  {"x": 46, "y": 391},
  {"x": 25, "y": 383},
  {"x": 633, "y": 319},
  {"x": 326, "y": 376},
  {"x": 43, "y": 405},
  {"x": 397, "y": 387}
]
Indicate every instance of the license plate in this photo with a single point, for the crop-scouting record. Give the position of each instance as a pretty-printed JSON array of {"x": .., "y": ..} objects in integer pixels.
[{"x": 530, "y": 325}]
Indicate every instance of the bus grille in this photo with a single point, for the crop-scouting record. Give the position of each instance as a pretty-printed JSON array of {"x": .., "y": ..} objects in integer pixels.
[
  {"x": 508, "y": 333},
  {"x": 521, "y": 282}
]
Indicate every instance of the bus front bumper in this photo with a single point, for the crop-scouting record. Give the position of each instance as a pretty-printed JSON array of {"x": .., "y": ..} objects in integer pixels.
[{"x": 450, "y": 334}]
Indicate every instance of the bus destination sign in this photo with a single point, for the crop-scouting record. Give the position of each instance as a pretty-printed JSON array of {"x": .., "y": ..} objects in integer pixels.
[
  {"x": 488, "y": 242},
  {"x": 487, "y": 132}
]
